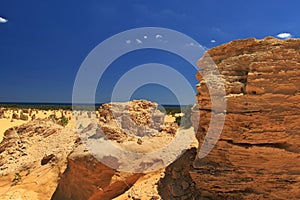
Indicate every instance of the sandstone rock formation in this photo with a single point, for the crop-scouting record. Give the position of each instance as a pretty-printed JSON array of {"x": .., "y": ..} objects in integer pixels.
[
  {"x": 257, "y": 155},
  {"x": 177, "y": 182},
  {"x": 1, "y": 113},
  {"x": 24, "y": 117},
  {"x": 87, "y": 178},
  {"x": 135, "y": 128},
  {"x": 136, "y": 118},
  {"x": 15, "y": 116},
  {"x": 43, "y": 160},
  {"x": 24, "y": 172}
]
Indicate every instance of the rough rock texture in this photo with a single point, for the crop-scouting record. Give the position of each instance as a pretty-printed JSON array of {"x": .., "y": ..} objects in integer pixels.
[
  {"x": 24, "y": 117},
  {"x": 257, "y": 155},
  {"x": 15, "y": 116},
  {"x": 133, "y": 126},
  {"x": 177, "y": 182},
  {"x": 137, "y": 118},
  {"x": 27, "y": 144},
  {"x": 32, "y": 157},
  {"x": 87, "y": 178},
  {"x": 2, "y": 113}
]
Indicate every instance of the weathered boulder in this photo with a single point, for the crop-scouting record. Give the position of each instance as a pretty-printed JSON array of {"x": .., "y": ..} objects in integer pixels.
[
  {"x": 87, "y": 178},
  {"x": 2, "y": 113},
  {"x": 15, "y": 116},
  {"x": 24, "y": 117},
  {"x": 137, "y": 118},
  {"x": 257, "y": 154}
]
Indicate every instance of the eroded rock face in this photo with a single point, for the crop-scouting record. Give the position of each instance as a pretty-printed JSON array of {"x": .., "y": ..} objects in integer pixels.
[
  {"x": 136, "y": 118},
  {"x": 32, "y": 156},
  {"x": 177, "y": 182},
  {"x": 257, "y": 155},
  {"x": 87, "y": 178}
]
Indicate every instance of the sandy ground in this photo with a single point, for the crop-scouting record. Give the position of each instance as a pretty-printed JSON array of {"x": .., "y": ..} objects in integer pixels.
[
  {"x": 7, "y": 122},
  {"x": 144, "y": 188}
]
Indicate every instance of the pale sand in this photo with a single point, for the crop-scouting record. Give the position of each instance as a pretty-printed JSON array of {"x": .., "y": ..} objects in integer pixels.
[
  {"x": 42, "y": 114},
  {"x": 7, "y": 123}
]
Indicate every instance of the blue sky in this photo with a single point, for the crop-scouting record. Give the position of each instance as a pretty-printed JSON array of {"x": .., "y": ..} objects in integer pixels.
[{"x": 43, "y": 43}]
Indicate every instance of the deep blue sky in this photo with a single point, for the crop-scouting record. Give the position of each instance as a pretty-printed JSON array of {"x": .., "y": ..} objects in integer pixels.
[{"x": 43, "y": 43}]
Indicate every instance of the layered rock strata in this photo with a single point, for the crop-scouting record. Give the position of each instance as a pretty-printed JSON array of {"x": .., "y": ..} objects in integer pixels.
[{"x": 258, "y": 153}]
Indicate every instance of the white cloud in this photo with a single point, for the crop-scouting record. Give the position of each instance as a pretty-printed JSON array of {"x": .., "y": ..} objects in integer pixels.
[
  {"x": 145, "y": 36},
  {"x": 158, "y": 36},
  {"x": 284, "y": 35},
  {"x": 3, "y": 20},
  {"x": 128, "y": 41},
  {"x": 138, "y": 41},
  {"x": 213, "y": 41}
]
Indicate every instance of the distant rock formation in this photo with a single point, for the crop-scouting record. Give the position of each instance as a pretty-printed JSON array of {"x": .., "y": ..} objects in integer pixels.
[
  {"x": 2, "y": 113},
  {"x": 15, "y": 116},
  {"x": 136, "y": 118},
  {"x": 257, "y": 155},
  {"x": 24, "y": 117}
]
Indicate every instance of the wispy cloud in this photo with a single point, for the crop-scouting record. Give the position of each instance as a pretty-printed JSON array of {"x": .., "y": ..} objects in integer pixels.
[
  {"x": 284, "y": 35},
  {"x": 3, "y": 20},
  {"x": 138, "y": 41},
  {"x": 158, "y": 36}
]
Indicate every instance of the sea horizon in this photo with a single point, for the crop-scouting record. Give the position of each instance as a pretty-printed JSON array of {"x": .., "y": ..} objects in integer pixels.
[{"x": 69, "y": 104}]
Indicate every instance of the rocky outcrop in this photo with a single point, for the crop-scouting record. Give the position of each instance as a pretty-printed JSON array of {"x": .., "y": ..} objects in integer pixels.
[
  {"x": 24, "y": 117},
  {"x": 2, "y": 111},
  {"x": 135, "y": 118},
  {"x": 257, "y": 155},
  {"x": 136, "y": 127},
  {"x": 87, "y": 178},
  {"x": 15, "y": 116},
  {"x": 32, "y": 157}
]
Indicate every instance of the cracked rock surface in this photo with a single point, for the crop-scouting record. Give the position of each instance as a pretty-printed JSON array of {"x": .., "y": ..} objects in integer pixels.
[{"x": 257, "y": 154}]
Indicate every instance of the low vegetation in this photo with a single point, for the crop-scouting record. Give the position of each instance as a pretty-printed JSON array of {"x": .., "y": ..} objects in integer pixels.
[{"x": 185, "y": 120}]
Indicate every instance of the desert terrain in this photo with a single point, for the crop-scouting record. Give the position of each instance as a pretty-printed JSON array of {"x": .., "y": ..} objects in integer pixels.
[
  {"x": 256, "y": 155},
  {"x": 30, "y": 136}
]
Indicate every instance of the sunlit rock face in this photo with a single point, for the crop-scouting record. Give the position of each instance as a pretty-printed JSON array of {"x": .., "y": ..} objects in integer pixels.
[
  {"x": 136, "y": 118},
  {"x": 258, "y": 153}
]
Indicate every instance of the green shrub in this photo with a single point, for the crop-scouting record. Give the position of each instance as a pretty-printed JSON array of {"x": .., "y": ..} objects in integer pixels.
[
  {"x": 185, "y": 120},
  {"x": 62, "y": 121}
]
